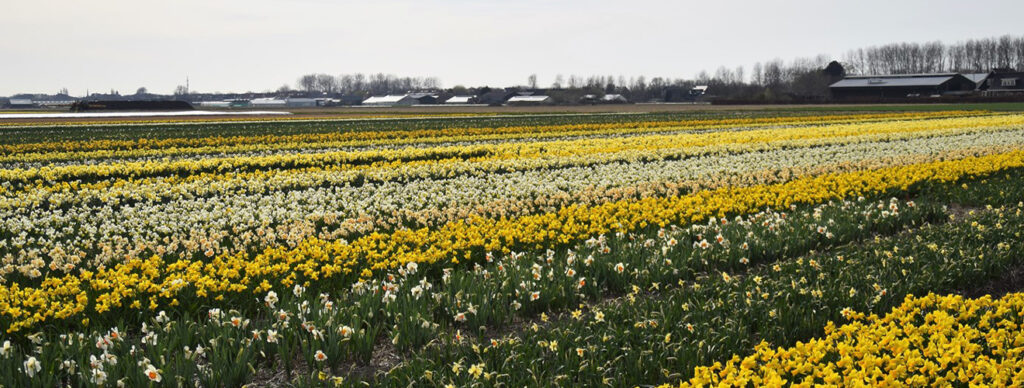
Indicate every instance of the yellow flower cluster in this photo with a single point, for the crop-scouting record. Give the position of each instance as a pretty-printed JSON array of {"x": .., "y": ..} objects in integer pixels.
[
  {"x": 138, "y": 281},
  {"x": 927, "y": 341}
]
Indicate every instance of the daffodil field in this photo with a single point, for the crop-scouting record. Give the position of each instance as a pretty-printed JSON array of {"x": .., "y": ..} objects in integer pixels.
[{"x": 757, "y": 248}]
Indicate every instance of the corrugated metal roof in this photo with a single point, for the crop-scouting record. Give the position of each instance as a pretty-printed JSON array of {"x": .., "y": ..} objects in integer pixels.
[
  {"x": 528, "y": 99},
  {"x": 459, "y": 100},
  {"x": 268, "y": 101},
  {"x": 389, "y": 99},
  {"x": 874, "y": 82}
]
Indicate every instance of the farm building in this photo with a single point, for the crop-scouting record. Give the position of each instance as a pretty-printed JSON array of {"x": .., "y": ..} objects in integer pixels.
[
  {"x": 21, "y": 103},
  {"x": 350, "y": 99},
  {"x": 268, "y": 103},
  {"x": 1005, "y": 81},
  {"x": 239, "y": 103},
  {"x": 979, "y": 79},
  {"x": 460, "y": 100},
  {"x": 495, "y": 97},
  {"x": 214, "y": 104},
  {"x": 54, "y": 103},
  {"x": 614, "y": 99},
  {"x": 140, "y": 105},
  {"x": 390, "y": 100},
  {"x": 300, "y": 102},
  {"x": 900, "y": 86},
  {"x": 530, "y": 100},
  {"x": 423, "y": 98}
]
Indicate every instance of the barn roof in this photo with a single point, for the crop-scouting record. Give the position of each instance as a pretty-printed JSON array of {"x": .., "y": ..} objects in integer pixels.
[
  {"x": 389, "y": 99},
  {"x": 874, "y": 81},
  {"x": 976, "y": 77},
  {"x": 528, "y": 99},
  {"x": 459, "y": 100}
]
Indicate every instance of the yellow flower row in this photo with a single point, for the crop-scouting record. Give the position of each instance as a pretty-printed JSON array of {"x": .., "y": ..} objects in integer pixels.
[
  {"x": 461, "y": 134},
  {"x": 932, "y": 340},
  {"x": 139, "y": 283},
  {"x": 505, "y": 151},
  {"x": 390, "y": 170}
]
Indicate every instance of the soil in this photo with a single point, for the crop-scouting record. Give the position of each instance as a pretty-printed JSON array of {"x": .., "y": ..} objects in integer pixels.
[{"x": 1009, "y": 282}]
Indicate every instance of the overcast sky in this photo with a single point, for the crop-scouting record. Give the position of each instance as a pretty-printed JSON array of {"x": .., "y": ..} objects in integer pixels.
[{"x": 258, "y": 45}]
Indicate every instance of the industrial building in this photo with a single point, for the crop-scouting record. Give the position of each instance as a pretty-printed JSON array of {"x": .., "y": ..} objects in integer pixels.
[
  {"x": 391, "y": 100},
  {"x": 460, "y": 100},
  {"x": 901, "y": 86},
  {"x": 530, "y": 100}
]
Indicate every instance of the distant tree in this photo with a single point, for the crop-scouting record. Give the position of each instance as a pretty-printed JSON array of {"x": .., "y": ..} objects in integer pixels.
[
  {"x": 284, "y": 89},
  {"x": 181, "y": 90},
  {"x": 325, "y": 83},
  {"x": 773, "y": 73},
  {"x": 532, "y": 81},
  {"x": 757, "y": 75},
  {"x": 359, "y": 82},
  {"x": 834, "y": 70},
  {"x": 575, "y": 81},
  {"x": 307, "y": 83},
  {"x": 63, "y": 92},
  {"x": 432, "y": 83},
  {"x": 558, "y": 82},
  {"x": 702, "y": 77},
  {"x": 141, "y": 91}
]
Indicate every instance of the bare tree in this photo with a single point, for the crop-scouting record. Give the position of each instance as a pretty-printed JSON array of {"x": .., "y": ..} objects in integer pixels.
[
  {"x": 307, "y": 83},
  {"x": 773, "y": 73},
  {"x": 575, "y": 81},
  {"x": 558, "y": 82},
  {"x": 432, "y": 83},
  {"x": 532, "y": 81},
  {"x": 757, "y": 75},
  {"x": 326, "y": 83}
]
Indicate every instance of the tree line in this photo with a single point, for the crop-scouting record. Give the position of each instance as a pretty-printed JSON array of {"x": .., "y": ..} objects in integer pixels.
[
  {"x": 773, "y": 80},
  {"x": 359, "y": 83},
  {"x": 970, "y": 56}
]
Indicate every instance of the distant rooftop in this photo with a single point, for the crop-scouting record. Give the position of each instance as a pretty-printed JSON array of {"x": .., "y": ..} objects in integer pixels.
[
  {"x": 894, "y": 80},
  {"x": 976, "y": 77},
  {"x": 459, "y": 100},
  {"x": 528, "y": 99},
  {"x": 389, "y": 99}
]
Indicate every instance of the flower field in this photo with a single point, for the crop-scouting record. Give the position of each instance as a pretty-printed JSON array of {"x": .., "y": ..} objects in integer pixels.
[{"x": 558, "y": 250}]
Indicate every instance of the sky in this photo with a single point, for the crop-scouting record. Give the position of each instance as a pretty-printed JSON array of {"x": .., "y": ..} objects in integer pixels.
[{"x": 260, "y": 45}]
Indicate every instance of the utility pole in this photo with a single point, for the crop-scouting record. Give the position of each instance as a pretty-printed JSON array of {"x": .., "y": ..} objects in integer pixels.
[{"x": 186, "y": 86}]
